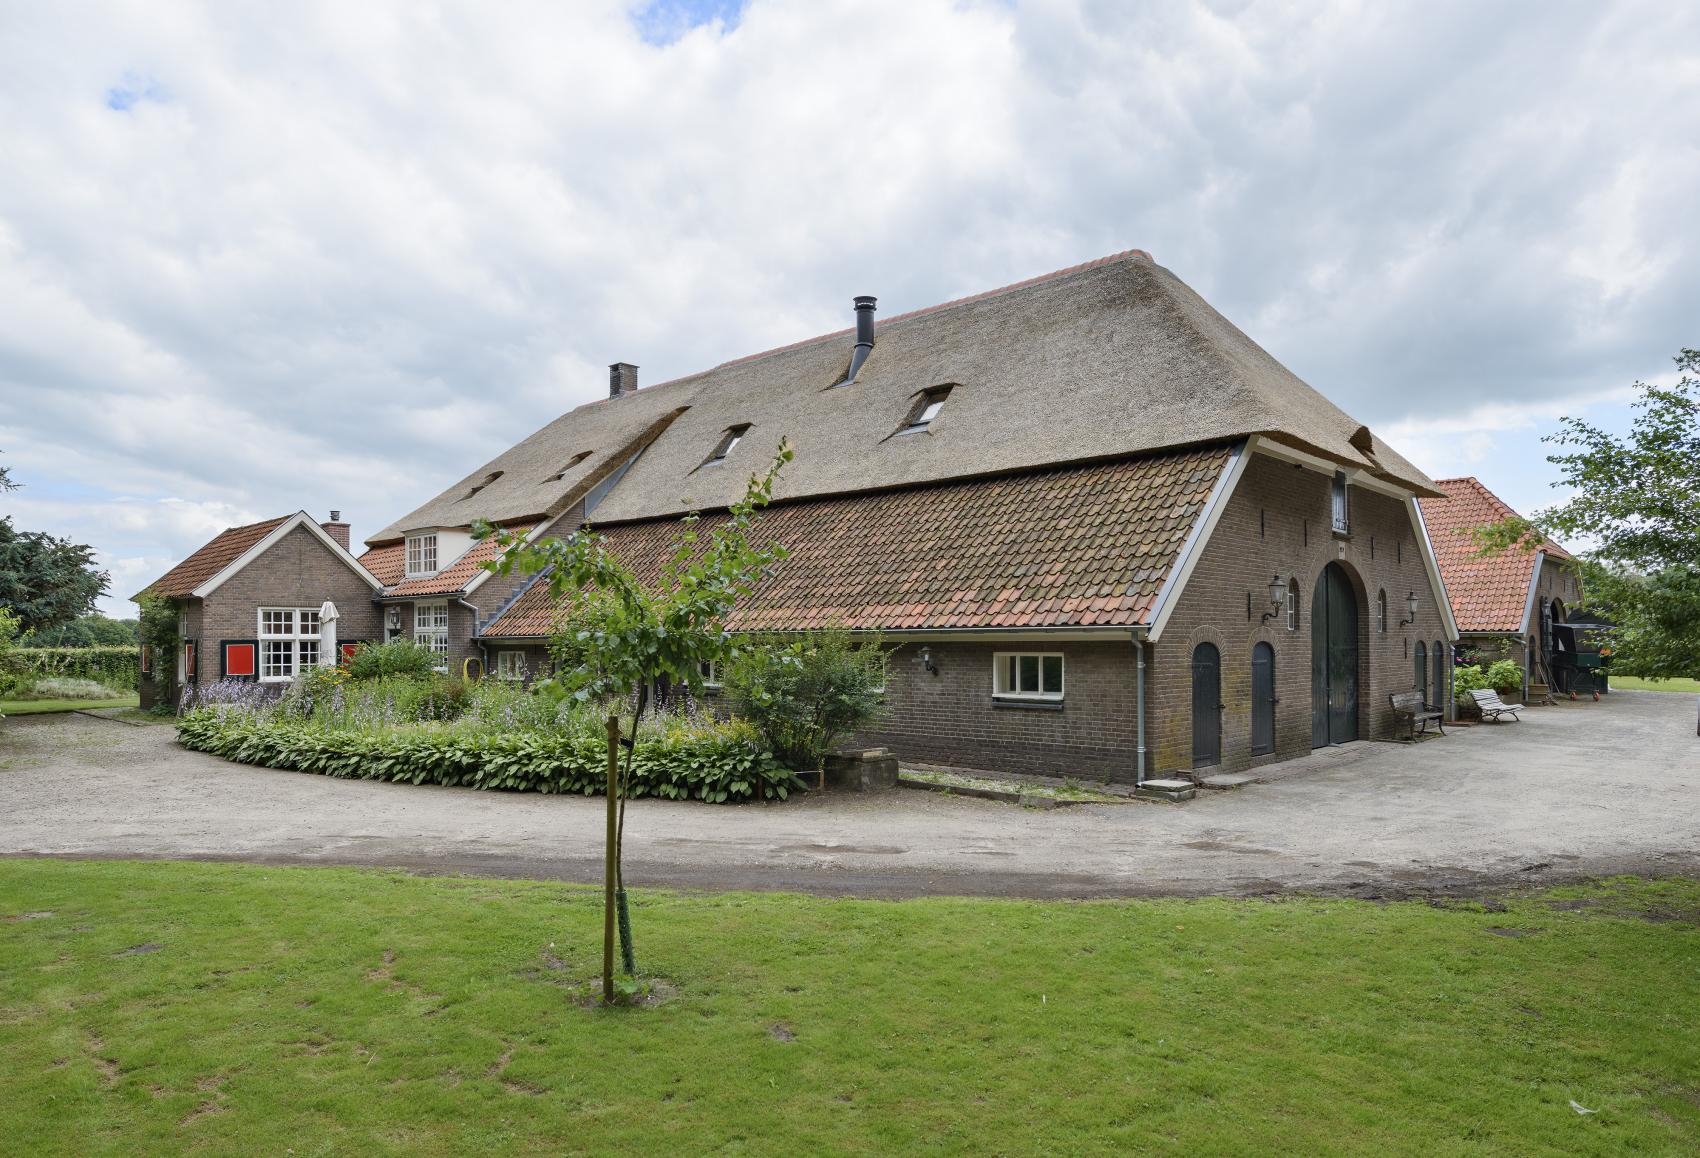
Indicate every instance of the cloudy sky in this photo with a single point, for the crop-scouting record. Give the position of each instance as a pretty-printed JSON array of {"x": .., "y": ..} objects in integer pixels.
[{"x": 261, "y": 257}]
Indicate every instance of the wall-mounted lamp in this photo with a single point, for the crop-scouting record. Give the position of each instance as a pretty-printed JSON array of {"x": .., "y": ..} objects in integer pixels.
[
  {"x": 927, "y": 660},
  {"x": 1411, "y": 606},
  {"x": 1277, "y": 596}
]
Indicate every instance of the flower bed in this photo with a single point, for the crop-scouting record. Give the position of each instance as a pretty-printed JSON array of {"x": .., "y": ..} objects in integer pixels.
[{"x": 502, "y": 740}]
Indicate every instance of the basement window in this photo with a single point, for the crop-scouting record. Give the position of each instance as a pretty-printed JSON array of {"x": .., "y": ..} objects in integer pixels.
[
  {"x": 728, "y": 441},
  {"x": 571, "y": 462},
  {"x": 1027, "y": 675},
  {"x": 927, "y": 408},
  {"x": 421, "y": 555}
]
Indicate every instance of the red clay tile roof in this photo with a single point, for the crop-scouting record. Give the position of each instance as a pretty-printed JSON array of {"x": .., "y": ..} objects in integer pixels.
[
  {"x": 1083, "y": 546},
  {"x": 223, "y": 550},
  {"x": 450, "y": 579},
  {"x": 1488, "y": 592},
  {"x": 388, "y": 564}
]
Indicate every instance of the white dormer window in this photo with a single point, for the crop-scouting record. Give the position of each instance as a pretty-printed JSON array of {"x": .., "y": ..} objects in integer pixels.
[
  {"x": 421, "y": 555},
  {"x": 927, "y": 408}
]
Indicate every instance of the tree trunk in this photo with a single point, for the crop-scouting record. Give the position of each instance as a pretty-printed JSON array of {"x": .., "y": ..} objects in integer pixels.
[{"x": 610, "y": 871}]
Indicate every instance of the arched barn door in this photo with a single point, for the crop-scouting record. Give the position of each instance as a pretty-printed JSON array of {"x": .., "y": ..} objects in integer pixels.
[
  {"x": 1262, "y": 700},
  {"x": 1206, "y": 706},
  {"x": 1333, "y": 659}
]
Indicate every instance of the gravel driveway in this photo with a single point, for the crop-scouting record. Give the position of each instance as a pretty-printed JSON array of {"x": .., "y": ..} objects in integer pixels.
[{"x": 1575, "y": 790}]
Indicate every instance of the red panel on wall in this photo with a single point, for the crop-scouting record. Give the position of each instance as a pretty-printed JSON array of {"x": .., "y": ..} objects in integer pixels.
[
  {"x": 147, "y": 660},
  {"x": 189, "y": 661},
  {"x": 239, "y": 659}
]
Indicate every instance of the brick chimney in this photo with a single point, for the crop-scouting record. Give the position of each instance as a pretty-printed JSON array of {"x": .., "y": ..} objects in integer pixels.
[
  {"x": 337, "y": 529},
  {"x": 622, "y": 379}
]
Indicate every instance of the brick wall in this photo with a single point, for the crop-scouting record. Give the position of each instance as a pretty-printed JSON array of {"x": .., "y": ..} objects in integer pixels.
[
  {"x": 1277, "y": 521},
  {"x": 297, "y": 571},
  {"x": 951, "y": 718}
]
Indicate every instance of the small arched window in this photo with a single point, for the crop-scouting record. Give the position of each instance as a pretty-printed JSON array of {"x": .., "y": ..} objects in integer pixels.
[
  {"x": 1381, "y": 611},
  {"x": 1293, "y": 604}
]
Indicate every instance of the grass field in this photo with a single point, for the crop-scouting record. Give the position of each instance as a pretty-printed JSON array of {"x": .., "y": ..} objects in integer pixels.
[
  {"x": 36, "y": 707},
  {"x": 1637, "y": 684},
  {"x": 163, "y": 1008}
]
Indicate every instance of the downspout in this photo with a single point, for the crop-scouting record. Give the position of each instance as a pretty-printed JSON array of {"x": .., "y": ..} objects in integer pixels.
[
  {"x": 1139, "y": 706},
  {"x": 483, "y": 652}
]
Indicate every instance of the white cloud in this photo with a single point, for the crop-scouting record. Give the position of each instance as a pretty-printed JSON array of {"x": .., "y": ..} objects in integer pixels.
[{"x": 337, "y": 255}]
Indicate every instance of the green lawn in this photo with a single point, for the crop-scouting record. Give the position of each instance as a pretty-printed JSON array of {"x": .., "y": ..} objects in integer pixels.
[
  {"x": 36, "y": 707},
  {"x": 1637, "y": 684},
  {"x": 162, "y": 1008}
]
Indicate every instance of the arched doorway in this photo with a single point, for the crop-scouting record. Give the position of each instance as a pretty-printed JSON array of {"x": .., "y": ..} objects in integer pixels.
[
  {"x": 1333, "y": 659},
  {"x": 1206, "y": 706},
  {"x": 1262, "y": 699}
]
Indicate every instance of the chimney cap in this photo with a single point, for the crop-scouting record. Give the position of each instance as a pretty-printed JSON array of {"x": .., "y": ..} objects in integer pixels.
[{"x": 336, "y": 516}]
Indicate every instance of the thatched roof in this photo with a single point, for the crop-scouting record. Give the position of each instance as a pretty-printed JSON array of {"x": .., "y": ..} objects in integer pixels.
[{"x": 1110, "y": 359}]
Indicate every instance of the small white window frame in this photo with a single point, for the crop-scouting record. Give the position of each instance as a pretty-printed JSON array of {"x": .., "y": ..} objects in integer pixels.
[
  {"x": 511, "y": 665},
  {"x": 926, "y": 409},
  {"x": 431, "y": 628},
  {"x": 289, "y": 643},
  {"x": 1000, "y": 668},
  {"x": 712, "y": 676},
  {"x": 421, "y": 555},
  {"x": 1340, "y": 504},
  {"x": 1292, "y": 604}
]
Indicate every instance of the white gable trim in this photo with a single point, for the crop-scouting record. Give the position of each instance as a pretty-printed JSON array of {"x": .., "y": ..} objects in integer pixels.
[
  {"x": 1169, "y": 594},
  {"x": 1432, "y": 567},
  {"x": 1528, "y": 625},
  {"x": 299, "y": 519},
  {"x": 1355, "y": 476}
]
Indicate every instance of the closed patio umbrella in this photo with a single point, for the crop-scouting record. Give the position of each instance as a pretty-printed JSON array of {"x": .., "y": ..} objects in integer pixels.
[{"x": 327, "y": 634}]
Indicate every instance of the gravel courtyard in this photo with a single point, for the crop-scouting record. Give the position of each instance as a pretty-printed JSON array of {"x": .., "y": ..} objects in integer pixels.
[{"x": 1575, "y": 790}]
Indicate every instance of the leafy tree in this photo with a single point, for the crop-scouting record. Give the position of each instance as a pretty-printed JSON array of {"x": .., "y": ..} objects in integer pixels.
[
  {"x": 44, "y": 581},
  {"x": 629, "y": 636},
  {"x": 13, "y": 676},
  {"x": 806, "y": 694},
  {"x": 89, "y": 631},
  {"x": 1637, "y": 499}
]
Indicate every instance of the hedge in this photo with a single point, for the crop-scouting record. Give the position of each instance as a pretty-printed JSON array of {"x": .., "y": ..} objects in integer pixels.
[
  {"x": 116, "y": 667},
  {"x": 718, "y": 769}
]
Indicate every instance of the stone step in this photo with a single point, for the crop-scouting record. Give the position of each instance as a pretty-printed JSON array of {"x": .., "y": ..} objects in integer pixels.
[
  {"x": 1224, "y": 781},
  {"x": 1174, "y": 791}
]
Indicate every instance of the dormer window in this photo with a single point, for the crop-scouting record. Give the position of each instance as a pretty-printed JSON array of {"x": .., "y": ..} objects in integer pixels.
[
  {"x": 481, "y": 484},
  {"x": 571, "y": 462},
  {"x": 927, "y": 408},
  {"x": 421, "y": 555},
  {"x": 730, "y": 439}
]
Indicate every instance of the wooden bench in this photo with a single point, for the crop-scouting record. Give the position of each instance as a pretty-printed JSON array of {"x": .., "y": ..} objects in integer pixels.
[
  {"x": 1493, "y": 707},
  {"x": 1409, "y": 709}
]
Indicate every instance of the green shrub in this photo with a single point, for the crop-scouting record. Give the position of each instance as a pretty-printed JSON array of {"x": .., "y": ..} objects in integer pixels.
[
  {"x": 1467, "y": 678},
  {"x": 707, "y": 761},
  {"x": 806, "y": 694},
  {"x": 116, "y": 667},
  {"x": 1504, "y": 676},
  {"x": 401, "y": 657}
]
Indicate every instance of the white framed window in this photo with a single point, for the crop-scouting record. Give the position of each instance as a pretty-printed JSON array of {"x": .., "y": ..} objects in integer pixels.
[
  {"x": 1027, "y": 675},
  {"x": 421, "y": 555},
  {"x": 1292, "y": 604},
  {"x": 431, "y": 627},
  {"x": 510, "y": 665},
  {"x": 1381, "y": 611},
  {"x": 733, "y": 436},
  {"x": 711, "y": 674},
  {"x": 1339, "y": 505},
  {"x": 289, "y": 642},
  {"x": 926, "y": 409}
]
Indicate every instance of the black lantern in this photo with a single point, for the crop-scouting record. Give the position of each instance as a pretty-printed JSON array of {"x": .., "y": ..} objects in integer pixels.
[{"x": 1277, "y": 596}]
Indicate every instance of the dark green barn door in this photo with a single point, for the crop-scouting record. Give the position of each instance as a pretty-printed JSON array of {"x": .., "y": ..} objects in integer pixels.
[
  {"x": 1206, "y": 706},
  {"x": 1262, "y": 699},
  {"x": 1333, "y": 659}
]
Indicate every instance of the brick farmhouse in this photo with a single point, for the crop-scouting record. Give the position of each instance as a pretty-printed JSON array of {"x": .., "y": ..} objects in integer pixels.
[
  {"x": 1510, "y": 604},
  {"x": 1103, "y": 531}
]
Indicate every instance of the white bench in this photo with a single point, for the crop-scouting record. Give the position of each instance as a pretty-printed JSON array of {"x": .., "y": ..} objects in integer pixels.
[{"x": 1493, "y": 707}]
